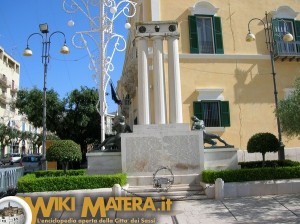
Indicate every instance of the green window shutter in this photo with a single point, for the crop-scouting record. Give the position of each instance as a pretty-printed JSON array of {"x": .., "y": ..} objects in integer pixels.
[
  {"x": 219, "y": 49},
  {"x": 297, "y": 29},
  {"x": 198, "y": 111},
  {"x": 194, "y": 48},
  {"x": 225, "y": 115},
  {"x": 297, "y": 33}
]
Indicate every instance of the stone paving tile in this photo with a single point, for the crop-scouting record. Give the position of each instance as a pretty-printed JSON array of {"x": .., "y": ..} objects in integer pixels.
[
  {"x": 203, "y": 211},
  {"x": 291, "y": 202},
  {"x": 146, "y": 217},
  {"x": 260, "y": 209},
  {"x": 198, "y": 205},
  {"x": 205, "y": 218}
]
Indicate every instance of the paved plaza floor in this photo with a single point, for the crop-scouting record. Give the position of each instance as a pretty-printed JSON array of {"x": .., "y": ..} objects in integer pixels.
[{"x": 265, "y": 209}]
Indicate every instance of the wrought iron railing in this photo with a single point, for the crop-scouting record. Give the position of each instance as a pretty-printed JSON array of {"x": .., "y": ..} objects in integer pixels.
[
  {"x": 9, "y": 177},
  {"x": 3, "y": 80},
  {"x": 287, "y": 49}
]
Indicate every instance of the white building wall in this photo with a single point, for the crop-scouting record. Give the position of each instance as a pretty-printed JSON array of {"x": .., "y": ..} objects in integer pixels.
[{"x": 9, "y": 86}]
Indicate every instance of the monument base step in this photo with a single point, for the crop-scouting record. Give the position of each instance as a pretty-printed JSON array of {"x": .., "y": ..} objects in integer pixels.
[
  {"x": 190, "y": 179},
  {"x": 177, "y": 192}
]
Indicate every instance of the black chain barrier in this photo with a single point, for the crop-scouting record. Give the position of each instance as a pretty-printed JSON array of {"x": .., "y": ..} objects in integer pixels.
[
  {"x": 160, "y": 182},
  {"x": 163, "y": 184}
]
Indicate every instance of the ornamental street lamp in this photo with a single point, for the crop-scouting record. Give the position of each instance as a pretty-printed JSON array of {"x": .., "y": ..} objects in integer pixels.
[
  {"x": 271, "y": 44},
  {"x": 46, "y": 41},
  {"x": 105, "y": 36}
]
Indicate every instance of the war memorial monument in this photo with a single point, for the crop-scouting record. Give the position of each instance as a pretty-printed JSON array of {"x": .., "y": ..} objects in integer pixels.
[{"x": 177, "y": 146}]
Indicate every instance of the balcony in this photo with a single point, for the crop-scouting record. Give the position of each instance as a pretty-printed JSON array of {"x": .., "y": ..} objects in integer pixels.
[
  {"x": 3, "y": 81},
  {"x": 3, "y": 98},
  {"x": 287, "y": 51},
  {"x": 13, "y": 90}
]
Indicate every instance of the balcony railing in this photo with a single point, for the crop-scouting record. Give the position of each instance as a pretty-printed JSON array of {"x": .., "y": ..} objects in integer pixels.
[
  {"x": 287, "y": 51},
  {"x": 3, "y": 98},
  {"x": 3, "y": 81},
  {"x": 14, "y": 90}
]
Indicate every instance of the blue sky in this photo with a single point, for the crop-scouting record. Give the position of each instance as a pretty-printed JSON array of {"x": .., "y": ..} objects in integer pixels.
[{"x": 21, "y": 18}]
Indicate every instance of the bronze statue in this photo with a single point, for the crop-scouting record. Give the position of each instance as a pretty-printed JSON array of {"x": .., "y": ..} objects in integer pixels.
[
  {"x": 207, "y": 137},
  {"x": 113, "y": 143}
]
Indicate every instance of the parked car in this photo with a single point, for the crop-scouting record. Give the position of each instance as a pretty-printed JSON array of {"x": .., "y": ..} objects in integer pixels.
[
  {"x": 11, "y": 158},
  {"x": 31, "y": 163},
  {"x": 14, "y": 158}
]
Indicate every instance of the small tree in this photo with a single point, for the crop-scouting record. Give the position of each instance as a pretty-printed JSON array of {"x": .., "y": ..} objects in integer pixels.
[
  {"x": 64, "y": 151},
  {"x": 288, "y": 112},
  {"x": 263, "y": 142}
]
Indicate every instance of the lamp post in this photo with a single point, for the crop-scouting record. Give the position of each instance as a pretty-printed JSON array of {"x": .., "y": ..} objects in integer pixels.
[
  {"x": 46, "y": 41},
  {"x": 270, "y": 42}
]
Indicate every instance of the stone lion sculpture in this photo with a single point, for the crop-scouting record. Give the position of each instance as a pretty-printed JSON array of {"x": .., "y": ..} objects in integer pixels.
[
  {"x": 207, "y": 137},
  {"x": 113, "y": 143}
]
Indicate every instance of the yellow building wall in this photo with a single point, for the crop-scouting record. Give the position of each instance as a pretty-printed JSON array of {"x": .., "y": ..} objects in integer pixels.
[
  {"x": 249, "y": 89},
  {"x": 247, "y": 84},
  {"x": 235, "y": 15}
]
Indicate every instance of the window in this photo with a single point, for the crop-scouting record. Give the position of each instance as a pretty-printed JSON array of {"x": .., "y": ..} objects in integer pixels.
[
  {"x": 127, "y": 100},
  {"x": 135, "y": 120},
  {"x": 23, "y": 126},
  {"x": 214, "y": 113},
  {"x": 280, "y": 27},
  {"x": 205, "y": 34},
  {"x": 297, "y": 31}
]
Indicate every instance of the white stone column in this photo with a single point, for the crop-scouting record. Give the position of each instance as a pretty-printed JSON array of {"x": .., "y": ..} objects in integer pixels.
[
  {"x": 143, "y": 85},
  {"x": 174, "y": 80},
  {"x": 159, "y": 82}
]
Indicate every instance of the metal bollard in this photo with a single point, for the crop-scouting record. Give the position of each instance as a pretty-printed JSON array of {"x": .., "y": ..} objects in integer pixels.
[
  {"x": 219, "y": 189},
  {"x": 116, "y": 190}
]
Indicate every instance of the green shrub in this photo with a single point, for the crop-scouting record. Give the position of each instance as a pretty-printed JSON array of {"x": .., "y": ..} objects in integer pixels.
[
  {"x": 58, "y": 173},
  {"x": 263, "y": 143},
  {"x": 242, "y": 175},
  {"x": 30, "y": 183},
  {"x": 269, "y": 163},
  {"x": 64, "y": 151}
]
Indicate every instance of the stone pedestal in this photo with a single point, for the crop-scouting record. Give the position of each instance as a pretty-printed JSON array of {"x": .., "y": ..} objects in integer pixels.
[
  {"x": 221, "y": 159},
  {"x": 103, "y": 162},
  {"x": 150, "y": 147}
]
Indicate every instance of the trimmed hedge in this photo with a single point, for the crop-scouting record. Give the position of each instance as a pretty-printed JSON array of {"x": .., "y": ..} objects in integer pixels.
[
  {"x": 257, "y": 174},
  {"x": 59, "y": 173},
  {"x": 64, "y": 151},
  {"x": 32, "y": 183},
  {"x": 263, "y": 143},
  {"x": 269, "y": 163}
]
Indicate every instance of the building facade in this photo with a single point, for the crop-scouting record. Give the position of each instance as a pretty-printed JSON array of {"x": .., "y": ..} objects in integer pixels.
[
  {"x": 9, "y": 83},
  {"x": 187, "y": 58},
  {"x": 9, "y": 86}
]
